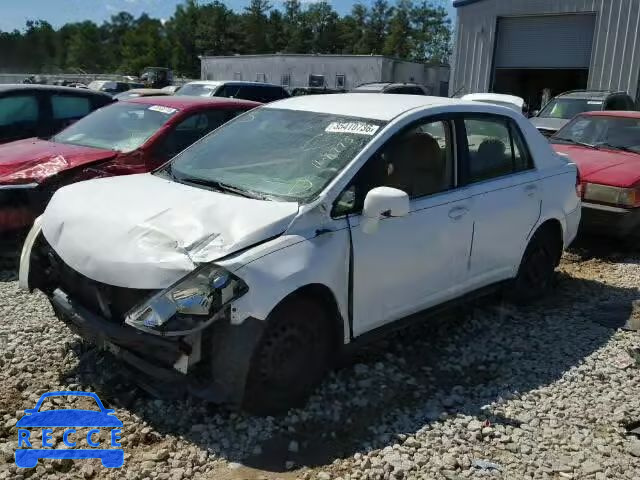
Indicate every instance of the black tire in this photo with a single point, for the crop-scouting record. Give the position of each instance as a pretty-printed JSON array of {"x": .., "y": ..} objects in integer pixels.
[
  {"x": 291, "y": 358},
  {"x": 537, "y": 268}
]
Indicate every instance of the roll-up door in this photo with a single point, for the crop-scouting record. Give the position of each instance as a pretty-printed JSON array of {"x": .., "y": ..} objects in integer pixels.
[{"x": 552, "y": 41}]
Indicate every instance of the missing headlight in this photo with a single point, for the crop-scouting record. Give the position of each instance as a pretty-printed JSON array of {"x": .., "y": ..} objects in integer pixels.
[{"x": 189, "y": 305}]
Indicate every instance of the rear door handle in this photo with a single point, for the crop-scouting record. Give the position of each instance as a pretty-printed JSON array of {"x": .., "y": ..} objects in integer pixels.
[
  {"x": 531, "y": 190},
  {"x": 458, "y": 212}
]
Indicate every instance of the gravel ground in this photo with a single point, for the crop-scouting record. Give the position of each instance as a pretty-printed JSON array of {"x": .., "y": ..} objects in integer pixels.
[{"x": 542, "y": 392}]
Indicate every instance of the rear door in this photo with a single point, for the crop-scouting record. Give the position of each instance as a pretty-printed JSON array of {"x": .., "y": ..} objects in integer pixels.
[
  {"x": 20, "y": 115},
  {"x": 499, "y": 175}
]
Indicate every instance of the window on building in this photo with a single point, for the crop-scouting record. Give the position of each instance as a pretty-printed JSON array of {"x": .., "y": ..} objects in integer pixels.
[
  {"x": 316, "y": 80},
  {"x": 340, "y": 81},
  {"x": 261, "y": 77},
  {"x": 237, "y": 76},
  {"x": 285, "y": 80}
]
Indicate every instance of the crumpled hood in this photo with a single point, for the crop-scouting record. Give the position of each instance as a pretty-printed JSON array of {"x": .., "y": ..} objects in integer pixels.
[
  {"x": 608, "y": 167},
  {"x": 34, "y": 160},
  {"x": 550, "y": 124},
  {"x": 142, "y": 231}
]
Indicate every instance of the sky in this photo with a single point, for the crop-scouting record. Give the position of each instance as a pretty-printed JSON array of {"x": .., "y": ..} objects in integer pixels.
[{"x": 14, "y": 13}]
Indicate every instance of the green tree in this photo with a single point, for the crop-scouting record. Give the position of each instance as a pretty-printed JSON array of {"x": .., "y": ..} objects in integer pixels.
[
  {"x": 83, "y": 48},
  {"x": 183, "y": 54},
  {"x": 353, "y": 31},
  {"x": 399, "y": 42},
  {"x": 322, "y": 22},
  {"x": 145, "y": 45},
  {"x": 378, "y": 26},
  {"x": 214, "y": 32},
  {"x": 255, "y": 26},
  {"x": 432, "y": 33}
]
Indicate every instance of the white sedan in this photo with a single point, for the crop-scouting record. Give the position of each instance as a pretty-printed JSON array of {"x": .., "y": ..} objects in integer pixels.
[{"x": 242, "y": 268}]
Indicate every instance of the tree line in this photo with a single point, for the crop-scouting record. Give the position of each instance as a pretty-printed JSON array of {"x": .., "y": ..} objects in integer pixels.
[{"x": 413, "y": 30}]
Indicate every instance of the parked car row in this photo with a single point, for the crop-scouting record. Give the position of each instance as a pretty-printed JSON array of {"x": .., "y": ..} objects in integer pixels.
[{"x": 235, "y": 249}]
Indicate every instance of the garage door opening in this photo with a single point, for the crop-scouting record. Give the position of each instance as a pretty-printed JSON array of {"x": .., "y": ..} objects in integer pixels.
[
  {"x": 530, "y": 84},
  {"x": 535, "y": 53}
]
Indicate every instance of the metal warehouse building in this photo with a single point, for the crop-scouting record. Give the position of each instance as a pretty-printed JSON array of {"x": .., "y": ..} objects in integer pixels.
[
  {"x": 330, "y": 71},
  {"x": 523, "y": 47}
]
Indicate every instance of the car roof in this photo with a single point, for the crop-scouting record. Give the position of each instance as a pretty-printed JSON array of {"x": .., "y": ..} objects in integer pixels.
[
  {"x": 233, "y": 82},
  {"x": 150, "y": 91},
  {"x": 612, "y": 113},
  {"x": 186, "y": 103},
  {"x": 588, "y": 94},
  {"x": 52, "y": 88},
  {"x": 364, "y": 105}
]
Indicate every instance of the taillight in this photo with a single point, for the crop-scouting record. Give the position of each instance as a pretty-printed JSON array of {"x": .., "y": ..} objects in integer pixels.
[
  {"x": 579, "y": 188},
  {"x": 619, "y": 196}
]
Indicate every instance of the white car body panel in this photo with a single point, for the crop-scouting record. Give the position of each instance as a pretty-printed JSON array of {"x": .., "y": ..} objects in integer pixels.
[
  {"x": 509, "y": 101},
  {"x": 146, "y": 231},
  {"x": 139, "y": 231}
]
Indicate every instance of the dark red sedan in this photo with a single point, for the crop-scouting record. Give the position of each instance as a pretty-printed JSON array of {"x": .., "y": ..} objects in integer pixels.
[
  {"x": 606, "y": 148},
  {"x": 132, "y": 136}
]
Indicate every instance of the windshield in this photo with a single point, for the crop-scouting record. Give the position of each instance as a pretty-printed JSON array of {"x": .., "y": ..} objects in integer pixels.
[
  {"x": 197, "y": 90},
  {"x": 568, "y": 108},
  {"x": 285, "y": 154},
  {"x": 123, "y": 127},
  {"x": 598, "y": 131}
]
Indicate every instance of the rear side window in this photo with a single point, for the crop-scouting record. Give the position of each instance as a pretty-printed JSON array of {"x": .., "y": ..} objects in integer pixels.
[
  {"x": 193, "y": 128},
  {"x": 67, "y": 107},
  {"x": 495, "y": 148},
  {"x": 18, "y": 109},
  {"x": 229, "y": 91}
]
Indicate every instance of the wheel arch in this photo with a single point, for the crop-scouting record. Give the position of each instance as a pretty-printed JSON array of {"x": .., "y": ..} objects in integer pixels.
[
  {"x": 322, "y": 294},
  {"x": 552, "y": 227}
]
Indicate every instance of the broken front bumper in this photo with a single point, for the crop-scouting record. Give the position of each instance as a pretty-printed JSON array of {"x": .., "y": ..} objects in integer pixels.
[{"x": 151, "y": 357}]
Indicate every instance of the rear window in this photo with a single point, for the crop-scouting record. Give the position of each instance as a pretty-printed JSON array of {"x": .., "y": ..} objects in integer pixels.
[
  {"x": 67, "y": 107},
  {"x": 197, "y": 90},
  {"x": 567, "y": 108}
]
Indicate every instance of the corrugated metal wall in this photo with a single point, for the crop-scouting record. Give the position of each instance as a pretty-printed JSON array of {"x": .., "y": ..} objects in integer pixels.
[{"x": 615, "y": 59}]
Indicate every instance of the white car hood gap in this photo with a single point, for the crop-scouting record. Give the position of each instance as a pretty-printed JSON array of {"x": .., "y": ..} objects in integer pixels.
[{"x": 142, "y": 231}]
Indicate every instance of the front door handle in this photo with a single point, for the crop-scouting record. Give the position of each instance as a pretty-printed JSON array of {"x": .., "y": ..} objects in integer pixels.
[
  {"x": 531, "y": 190},
  {"x": 458, "y": 212}
]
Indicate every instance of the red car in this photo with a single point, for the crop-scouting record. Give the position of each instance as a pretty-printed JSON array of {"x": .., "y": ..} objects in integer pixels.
[
  {"x": 132, "y": 136},
  {"x": 606, "y": 148}
]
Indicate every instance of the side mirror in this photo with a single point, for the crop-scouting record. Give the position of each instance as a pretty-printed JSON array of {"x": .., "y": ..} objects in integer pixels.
[
  {"x": 383, "y": 202},
  {"x": 535, "y": 113}
]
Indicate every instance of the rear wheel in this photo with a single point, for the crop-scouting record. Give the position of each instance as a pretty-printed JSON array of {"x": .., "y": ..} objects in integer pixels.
[
  {"x": 291, "y": 358},
  {"x": 536, "y": 272}
]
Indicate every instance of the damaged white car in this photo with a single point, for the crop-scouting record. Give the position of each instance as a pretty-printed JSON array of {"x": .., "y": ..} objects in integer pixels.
[{"x": 241, "y": 269}]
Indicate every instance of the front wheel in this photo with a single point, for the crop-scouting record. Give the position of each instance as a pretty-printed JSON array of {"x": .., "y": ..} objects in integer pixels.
[
  {"x": 291, "y": 358},
  {"x": 536, "y": 272}
]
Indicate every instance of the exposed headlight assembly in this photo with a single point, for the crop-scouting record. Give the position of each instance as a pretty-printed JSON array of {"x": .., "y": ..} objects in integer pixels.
[{"x": 189, "y": 305}]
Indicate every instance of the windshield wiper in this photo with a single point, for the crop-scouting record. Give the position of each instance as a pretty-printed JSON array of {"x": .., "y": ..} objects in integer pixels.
[
  {"x": 221, "y": 187},
  {"x": 575, "y": 142},
  {"x": 616, "y": 147}
]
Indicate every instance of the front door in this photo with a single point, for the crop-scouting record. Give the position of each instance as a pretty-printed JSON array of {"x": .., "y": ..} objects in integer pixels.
[{"x": 414, "y": 262}]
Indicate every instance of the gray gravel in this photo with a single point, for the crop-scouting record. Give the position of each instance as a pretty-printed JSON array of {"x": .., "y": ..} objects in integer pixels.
[{"x": 541, "y": 392}]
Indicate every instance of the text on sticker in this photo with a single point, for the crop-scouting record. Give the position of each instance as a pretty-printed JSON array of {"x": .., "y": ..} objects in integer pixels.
[
  {"x": 161, "y": 109},
  {"x": 359, "y": 128}
]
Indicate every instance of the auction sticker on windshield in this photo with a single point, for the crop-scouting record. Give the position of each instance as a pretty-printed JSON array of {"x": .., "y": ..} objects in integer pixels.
[
  {"x": 360, "y": 128},
  {"x": 161, "y": 109}
]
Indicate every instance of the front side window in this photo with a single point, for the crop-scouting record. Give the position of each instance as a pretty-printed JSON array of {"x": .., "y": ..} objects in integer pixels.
[
  {"x": 495, "y": 149},
  {"x": 419, "y": 161},
  {"x": 122, "y": 127},
  {"x": 616, "y": 133},
  {"x": 567, "y": 108},
  {"x": 277, "y": 154},
  {"x": 18, "y": 109},
  {"x": 67, "y": 107}
]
